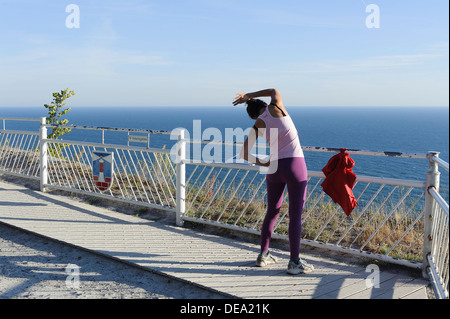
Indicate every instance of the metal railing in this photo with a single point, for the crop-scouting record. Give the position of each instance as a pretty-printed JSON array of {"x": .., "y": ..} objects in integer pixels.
[
  {"x": 398, "y": 221},
  {"x": 387, "y": 225},
  {"x": 19, "y": 150},
  {"x": 436, "y": 248},
  {"x": 141, "y": 175}
]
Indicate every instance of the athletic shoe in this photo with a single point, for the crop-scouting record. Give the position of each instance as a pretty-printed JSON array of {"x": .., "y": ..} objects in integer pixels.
[
  {"x": 264, "y": 260},
  {"x": 300, "y": 267}
]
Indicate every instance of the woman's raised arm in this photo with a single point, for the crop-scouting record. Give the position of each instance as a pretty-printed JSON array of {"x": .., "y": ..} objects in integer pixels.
[{"x": 273, "y": 93}]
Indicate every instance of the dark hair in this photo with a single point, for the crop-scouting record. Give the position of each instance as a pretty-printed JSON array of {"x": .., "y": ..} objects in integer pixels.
[{"x": 254, "y": 106}]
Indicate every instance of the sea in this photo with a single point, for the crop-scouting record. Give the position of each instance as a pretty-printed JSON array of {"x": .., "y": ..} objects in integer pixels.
[{"x": 388, "y": 129}]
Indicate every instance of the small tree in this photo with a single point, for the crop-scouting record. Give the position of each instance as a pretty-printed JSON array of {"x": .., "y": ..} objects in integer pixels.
[{"x": 55, "y": 112}]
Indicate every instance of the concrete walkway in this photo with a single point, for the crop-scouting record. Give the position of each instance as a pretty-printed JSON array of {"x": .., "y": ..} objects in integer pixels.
[{"x": 217, "y": 263}]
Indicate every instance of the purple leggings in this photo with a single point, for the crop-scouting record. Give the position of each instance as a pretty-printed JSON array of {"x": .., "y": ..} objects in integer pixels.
[{"x": 293, "y": 173}]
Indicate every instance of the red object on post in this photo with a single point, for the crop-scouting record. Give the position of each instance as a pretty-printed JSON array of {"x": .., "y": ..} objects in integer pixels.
[{"x": 339, "y": 181}]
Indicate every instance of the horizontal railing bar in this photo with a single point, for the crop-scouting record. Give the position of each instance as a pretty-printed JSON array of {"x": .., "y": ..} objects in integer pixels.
[
  {"x": 438, "y": 198},
  {"x": 440, "y": 162},
  {"x": 359, "y": 178},
  {"x": 19, "y": 132},
  {"x": 19, "y": 119},
  {"x": 260, "y": 145},
  {"x": 224, "y": 165},
  {"x": 378, "y": 180},
  {"x": 322, "y": 149},
  {"x": 365, "y": 152},
  {"x": 390, "y": 181},
  {"x": 116, "y": 146},
  {"x": 98, "y": 128}
]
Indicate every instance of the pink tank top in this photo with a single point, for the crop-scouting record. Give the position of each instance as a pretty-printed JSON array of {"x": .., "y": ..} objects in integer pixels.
[{"x": 281, "y": 132}]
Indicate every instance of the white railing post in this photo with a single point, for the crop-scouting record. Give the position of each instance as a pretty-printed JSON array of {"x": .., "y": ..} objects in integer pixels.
[
  {"x": 43, "y": 154},
  {"x": 433, "y": 178},
  {"x": 181, "y": 178}
]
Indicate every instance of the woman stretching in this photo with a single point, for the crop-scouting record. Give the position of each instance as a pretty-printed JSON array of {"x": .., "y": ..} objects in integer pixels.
[{"x": 286, "y": 167}]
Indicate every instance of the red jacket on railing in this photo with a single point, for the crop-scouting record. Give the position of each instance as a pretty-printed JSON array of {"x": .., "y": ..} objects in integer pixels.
[{"x": 339, "y": 181}]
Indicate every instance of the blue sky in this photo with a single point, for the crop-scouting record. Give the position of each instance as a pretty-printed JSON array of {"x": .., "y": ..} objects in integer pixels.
[{"x": 202, "y": 52}]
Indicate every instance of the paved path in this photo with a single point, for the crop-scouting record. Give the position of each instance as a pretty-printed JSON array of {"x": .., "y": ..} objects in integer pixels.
[
  {"x": 34, "y": 267},
  {"x": 218, "y": 263}
]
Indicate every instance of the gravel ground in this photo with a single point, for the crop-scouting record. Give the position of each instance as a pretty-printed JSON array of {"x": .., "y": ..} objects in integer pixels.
[{"x": 32, "y": 267}]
